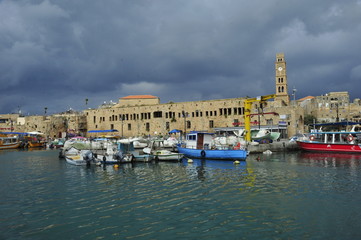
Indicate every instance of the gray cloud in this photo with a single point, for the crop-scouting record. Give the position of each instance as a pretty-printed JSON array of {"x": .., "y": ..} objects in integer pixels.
[{"x": 56, "y": 54}]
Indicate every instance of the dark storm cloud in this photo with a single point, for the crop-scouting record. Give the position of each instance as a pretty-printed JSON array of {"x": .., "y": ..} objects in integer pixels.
[{"x": 56, "y": 54}]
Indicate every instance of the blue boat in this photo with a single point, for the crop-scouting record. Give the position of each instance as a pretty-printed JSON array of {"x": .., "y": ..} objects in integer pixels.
[{"x": 200, "y": 145}]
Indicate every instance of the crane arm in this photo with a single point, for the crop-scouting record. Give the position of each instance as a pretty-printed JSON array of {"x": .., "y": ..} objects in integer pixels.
[{"x": 247, "y": 112}]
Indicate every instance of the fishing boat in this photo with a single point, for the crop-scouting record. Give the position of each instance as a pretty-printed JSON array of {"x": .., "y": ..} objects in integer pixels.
[
  {"x": 166, "y": 155},
  {"x": 80, "y": 157},
  {"x": 112, "y": 154},
  {"x": 34, "y": 140},
  {"x": 201, "y": 145},
  {"x": 157, "y": 151},
  {"x": 8, "y": 142},
  {"x": 333, "y": 141}
]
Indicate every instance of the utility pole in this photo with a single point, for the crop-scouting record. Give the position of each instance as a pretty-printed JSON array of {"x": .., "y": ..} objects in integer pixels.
[{"x": 185, "y": 122}]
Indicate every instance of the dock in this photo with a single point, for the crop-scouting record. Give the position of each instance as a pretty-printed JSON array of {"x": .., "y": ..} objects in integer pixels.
[{"x": 281, "y": 146}]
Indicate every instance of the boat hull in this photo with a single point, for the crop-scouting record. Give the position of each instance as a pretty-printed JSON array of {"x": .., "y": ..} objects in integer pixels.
[
  {"x": 329, "y": 147},
  {"x": 214, "y": 154},
  {"x": 36, "y": 144},
  {"x": 76, "y": 160},
  {"x": 168, "y": 157},
  {"x": 111, "y": 159},
  {"x": 10, "y": 145}
]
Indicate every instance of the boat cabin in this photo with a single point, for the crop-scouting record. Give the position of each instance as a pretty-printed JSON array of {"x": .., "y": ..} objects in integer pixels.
[
  {"x": 336, "y": 137},
  {"x": 340, "y": 132},
  {"x": 199, "y": 140}
]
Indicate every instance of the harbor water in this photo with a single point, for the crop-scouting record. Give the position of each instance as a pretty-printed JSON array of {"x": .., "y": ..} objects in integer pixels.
[{"x": 278, "y": 196}]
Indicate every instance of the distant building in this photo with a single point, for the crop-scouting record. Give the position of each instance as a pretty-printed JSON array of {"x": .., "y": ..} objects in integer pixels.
[{"x": 332, "y": 107}]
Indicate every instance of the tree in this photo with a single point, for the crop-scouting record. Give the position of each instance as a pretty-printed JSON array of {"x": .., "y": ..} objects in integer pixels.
[{"x": 310, "y": 119}]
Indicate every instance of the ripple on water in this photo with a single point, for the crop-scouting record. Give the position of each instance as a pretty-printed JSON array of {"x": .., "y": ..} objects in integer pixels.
[{"x": 278, "y": 197}]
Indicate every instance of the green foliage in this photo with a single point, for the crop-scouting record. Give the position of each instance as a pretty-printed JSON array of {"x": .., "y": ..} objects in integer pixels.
[{"x": 309, "y": 119}]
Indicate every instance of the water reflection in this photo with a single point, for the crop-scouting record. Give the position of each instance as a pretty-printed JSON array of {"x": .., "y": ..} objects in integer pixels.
[{"x": 331, "y": 159}]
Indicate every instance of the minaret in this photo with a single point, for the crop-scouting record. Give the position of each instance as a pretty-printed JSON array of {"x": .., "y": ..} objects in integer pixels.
[{"x": 281, "y": 81}]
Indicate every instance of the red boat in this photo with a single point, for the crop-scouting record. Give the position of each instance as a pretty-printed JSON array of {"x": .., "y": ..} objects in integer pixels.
[{"x": 346, "y": 142}]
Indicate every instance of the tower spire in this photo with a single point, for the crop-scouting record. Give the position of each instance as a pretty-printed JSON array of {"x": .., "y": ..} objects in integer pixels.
[{"x": 281, "y": 80}]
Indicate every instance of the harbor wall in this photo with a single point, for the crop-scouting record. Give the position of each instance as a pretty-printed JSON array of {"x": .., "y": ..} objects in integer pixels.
[{"x": 281, "y": 146}]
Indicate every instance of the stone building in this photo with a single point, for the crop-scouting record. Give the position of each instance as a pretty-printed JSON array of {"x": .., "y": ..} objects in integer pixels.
[
  {"x": 8, "y": 122},
  {"x": 332, "y": 107},
  {"x": 145, "y": 115},
  {"x": 53, "y": 126}
]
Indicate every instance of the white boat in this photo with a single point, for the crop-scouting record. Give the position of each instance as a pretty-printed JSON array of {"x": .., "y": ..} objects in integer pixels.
[
  {"x": 140, "y": 156},
  {"x": 166, "y": 155},
  {"x": 112, "y": 154},
  {"x": 80, "y": 157},
  {"x": 162, "y": 154}
]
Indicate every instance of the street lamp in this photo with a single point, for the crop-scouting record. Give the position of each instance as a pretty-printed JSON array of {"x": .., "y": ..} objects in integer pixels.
[
  {"x": 294, "y": 90},
  {"x": 122, "y": 119},
  {"x": 337, "y": 118},
  {"x": 185, "y": 122},
  {"x": 45, "y": 110}
]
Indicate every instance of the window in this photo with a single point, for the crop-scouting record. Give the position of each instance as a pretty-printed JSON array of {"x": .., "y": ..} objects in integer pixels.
[
  {"x": 157, "y": 114},
  {"x": 167, "y": 126},
  {"x": 191, "y": 137},
  {"x": 211, "y": 124},
  {"x": 147, "y": 127},
  {"x": 189, "y": 124},
  {"x": 129, "y": 127}
]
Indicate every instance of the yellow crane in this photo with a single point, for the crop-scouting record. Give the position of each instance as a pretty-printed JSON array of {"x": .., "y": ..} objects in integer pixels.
[{"x": 247, "y": 112}]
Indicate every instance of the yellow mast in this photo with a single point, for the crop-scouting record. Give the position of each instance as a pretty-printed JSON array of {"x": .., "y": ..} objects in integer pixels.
[{"x": 247, "y": 112}]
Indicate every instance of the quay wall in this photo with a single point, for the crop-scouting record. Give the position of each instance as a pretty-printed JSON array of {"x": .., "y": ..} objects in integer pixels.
[{"x": 281, "y": 146}]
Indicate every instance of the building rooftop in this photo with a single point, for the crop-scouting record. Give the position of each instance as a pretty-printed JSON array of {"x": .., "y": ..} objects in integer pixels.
[
  {"x": 139, "y": 97},
  {"x": 305, "y": 98}
]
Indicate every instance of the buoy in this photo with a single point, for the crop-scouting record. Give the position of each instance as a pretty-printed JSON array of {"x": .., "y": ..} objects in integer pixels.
[
  {"x": 190, "y": 161},
  {"x": 98, "y": 163},
  {"x": 116, "y": 165},
  {"x": 236, "y": 162}
]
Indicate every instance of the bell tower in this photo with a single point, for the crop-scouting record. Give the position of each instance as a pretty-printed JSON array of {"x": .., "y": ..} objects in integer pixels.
[{"x": 281, "y": 81}]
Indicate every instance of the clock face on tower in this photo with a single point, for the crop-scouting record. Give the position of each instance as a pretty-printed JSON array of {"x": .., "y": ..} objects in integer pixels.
[{"x": 280, "y": 68}]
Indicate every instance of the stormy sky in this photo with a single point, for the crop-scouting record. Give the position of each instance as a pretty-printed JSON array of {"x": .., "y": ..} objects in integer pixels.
[{"x": 57, "y": 53}]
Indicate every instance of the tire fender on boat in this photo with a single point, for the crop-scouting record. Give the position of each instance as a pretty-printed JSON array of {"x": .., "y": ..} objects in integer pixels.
[
  {"x": 350, "y": 138},
  {"x": 203, "y": 154},
  {"x": 312, "y": 137}
]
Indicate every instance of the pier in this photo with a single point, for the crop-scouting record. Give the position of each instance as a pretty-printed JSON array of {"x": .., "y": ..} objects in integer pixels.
[{"x": 281, "y": 146}]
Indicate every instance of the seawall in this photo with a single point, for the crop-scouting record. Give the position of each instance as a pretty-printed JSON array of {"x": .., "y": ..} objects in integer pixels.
[{"x": 274, "y": 147}]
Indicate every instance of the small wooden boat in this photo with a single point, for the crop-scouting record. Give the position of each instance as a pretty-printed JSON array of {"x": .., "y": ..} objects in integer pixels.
[
  {"x": 39, "y": 144},
  {"x": 9, "y": 142}
]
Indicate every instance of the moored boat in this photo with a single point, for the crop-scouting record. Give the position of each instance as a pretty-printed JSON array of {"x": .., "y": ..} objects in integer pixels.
[
  {"x": 166, "y": 155},
  {"x": 7, "y": 142},
  {"x": 80, "y": 157},
  {"x": 347, "y": 142},
  {"x": 200, "y": 145},
  {"x": 332, "y": 141},
  {"x": 157, "y": 151}
]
